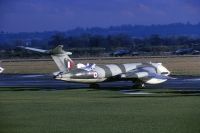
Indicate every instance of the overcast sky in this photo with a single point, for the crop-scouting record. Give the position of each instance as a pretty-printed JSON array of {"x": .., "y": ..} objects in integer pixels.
[{"x": 41, "y": 15}]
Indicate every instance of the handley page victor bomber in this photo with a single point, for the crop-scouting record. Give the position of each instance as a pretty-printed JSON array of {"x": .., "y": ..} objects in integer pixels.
[{"x": 139, "y": 73}]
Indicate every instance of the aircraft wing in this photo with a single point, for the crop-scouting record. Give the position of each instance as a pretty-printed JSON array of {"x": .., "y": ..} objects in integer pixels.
[
  {"x": 145, "y": 74},
  {"x": 35, "y": 49}
]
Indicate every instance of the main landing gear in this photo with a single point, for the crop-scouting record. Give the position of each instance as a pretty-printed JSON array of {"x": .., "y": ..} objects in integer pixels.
[
  {"x": 94, "y": 86},
  {"x": 138, "y": 85}
]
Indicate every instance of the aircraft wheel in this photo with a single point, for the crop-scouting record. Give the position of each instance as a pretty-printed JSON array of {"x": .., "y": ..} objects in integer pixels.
[
  {"x": 138, "y": 85},
  {"x": 94, "y": 86}
]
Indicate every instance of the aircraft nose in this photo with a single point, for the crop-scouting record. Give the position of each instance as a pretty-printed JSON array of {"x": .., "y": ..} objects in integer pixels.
[{"x": 165, "y": 71}]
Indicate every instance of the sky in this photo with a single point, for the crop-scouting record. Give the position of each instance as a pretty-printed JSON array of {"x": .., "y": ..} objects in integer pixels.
[{"x": 62, "y": 15}]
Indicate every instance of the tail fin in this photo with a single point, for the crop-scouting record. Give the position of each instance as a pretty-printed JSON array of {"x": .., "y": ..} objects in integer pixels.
[{"x": 62, "y": 59}]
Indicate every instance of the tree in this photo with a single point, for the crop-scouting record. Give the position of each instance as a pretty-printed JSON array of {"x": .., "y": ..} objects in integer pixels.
[{"x": 58, "y": 39}]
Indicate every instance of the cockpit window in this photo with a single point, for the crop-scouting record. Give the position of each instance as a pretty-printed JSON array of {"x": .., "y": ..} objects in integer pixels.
[{"x": 164, "y": 73}]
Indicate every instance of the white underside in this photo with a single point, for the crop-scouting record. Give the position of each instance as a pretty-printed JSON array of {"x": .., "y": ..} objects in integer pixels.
[
  {"x": 98, "y": 80},
  {"x": 83, "y": 80},
  {"x": 155, "y": 81}
]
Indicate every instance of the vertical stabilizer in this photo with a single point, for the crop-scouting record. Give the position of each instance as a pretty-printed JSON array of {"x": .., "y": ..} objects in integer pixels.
[{"x": 62, "y": 59}]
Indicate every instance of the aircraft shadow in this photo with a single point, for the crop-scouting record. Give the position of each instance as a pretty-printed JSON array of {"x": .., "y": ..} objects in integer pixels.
[{"x": 127, "y": 91}]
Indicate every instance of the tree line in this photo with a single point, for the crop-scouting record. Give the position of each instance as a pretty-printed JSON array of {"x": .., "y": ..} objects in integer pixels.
[{"x": 98, "y": 45}]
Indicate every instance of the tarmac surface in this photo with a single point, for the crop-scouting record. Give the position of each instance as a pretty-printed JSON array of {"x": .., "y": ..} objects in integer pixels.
[{"x": 182, "y": 83}]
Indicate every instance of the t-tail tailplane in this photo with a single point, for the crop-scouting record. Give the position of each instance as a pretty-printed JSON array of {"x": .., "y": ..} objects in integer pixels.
[{"x": 62, "y": 59}]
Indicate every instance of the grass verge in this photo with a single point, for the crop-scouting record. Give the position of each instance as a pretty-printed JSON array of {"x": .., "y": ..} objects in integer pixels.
[{"x": 85, "y": 111}]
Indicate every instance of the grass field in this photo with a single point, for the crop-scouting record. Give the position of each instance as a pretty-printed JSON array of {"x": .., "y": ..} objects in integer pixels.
[
  {"x": 96, "y": 111},
  {"x": 179, "y": 65}
]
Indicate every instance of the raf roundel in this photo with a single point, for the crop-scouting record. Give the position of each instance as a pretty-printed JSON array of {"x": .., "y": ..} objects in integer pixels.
[
  {"x": 69, "y": 64},
  {"x": 95, "y": 75}
]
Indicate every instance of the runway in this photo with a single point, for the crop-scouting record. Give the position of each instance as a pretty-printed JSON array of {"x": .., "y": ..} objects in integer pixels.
[{"x": 46, "y": 81}]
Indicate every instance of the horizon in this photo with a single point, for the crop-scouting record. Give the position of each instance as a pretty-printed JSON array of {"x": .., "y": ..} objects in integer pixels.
[
  {"x": 65, "y": 15},
  {"x": 89, "y": 28}
]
